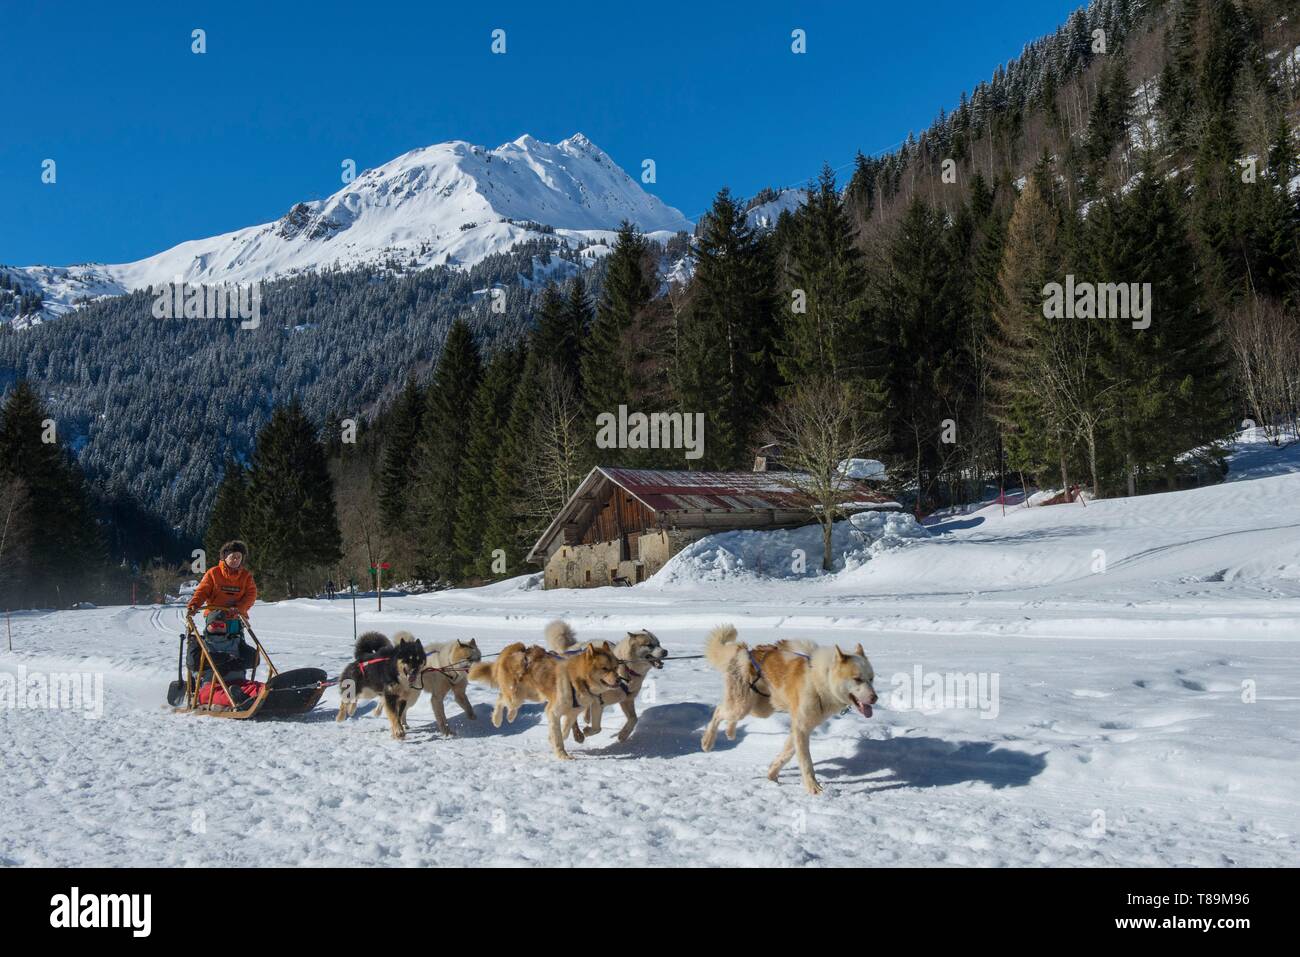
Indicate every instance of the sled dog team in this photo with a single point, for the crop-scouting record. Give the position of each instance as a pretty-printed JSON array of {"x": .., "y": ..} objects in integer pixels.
[{"x": 576, "y": 682}]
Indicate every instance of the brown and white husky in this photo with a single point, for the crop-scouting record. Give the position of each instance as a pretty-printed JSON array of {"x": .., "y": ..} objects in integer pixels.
[
  {"x": 638, "y": 654},
  {"x": 569, "y": 684},
  {"x": 809, "y": 682}
]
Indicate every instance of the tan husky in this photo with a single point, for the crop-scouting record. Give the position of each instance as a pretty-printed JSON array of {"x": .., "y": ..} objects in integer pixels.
[
  {"x": 807, "y": 681},
  {"x": 569, "y": 684},
  {"x": 638, "y": 653},
  {"x": 447, "y": 671},
  {"x": 514, "y": 674}
]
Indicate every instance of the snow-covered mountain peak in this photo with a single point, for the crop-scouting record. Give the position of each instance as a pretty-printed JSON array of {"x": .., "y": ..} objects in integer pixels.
[{"x": 450, "y": 203}]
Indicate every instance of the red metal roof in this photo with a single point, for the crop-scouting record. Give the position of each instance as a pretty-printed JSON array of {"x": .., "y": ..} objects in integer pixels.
[{"x": 672, "y": 491}]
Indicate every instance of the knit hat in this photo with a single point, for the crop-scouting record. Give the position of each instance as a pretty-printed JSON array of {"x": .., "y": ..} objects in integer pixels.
[{"x": 234, "y": 546}]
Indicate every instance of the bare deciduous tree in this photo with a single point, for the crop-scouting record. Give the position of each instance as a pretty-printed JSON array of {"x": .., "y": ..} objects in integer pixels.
[
  {"x": 819, "y": 427},
  {"x": 1063, "y": 373},
  {"x": 1265, "y": 343},
  {"x": 367, "y": 541},
  {"x": 555, "y": 469},
  {"x": 163, "y": 577}
]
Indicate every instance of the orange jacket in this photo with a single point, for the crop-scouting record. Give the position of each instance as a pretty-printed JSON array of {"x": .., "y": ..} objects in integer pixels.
[{"x": 222, "y": 588}]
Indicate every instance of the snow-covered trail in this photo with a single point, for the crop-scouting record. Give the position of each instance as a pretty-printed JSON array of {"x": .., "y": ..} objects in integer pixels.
[
  {"x": 1103, "y": 750},
  {"x": 1139, "y": 710}
]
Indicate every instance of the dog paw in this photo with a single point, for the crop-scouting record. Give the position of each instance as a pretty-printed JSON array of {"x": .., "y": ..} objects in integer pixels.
[
  {"x": 813, "y": 787},
  {"x": 623, "y": 736},
  {"x": 564, "y": 755},
  {"x": 578, "y": 735}
]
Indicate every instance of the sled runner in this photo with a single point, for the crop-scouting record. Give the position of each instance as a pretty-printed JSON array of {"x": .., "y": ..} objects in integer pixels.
[{"x": 207, "y": 691}]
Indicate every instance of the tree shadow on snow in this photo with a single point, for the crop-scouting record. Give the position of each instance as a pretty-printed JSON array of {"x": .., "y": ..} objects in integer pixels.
[
  {"x": 664, "y": 731},
  {"x": 931, "y": 763},
  {"x": 953, "y": 524}
]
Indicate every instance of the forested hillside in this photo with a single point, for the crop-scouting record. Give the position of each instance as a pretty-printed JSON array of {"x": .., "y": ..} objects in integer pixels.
[
  {"x": 154, "y": 406},
  {"x": 1145, "y": 152}
]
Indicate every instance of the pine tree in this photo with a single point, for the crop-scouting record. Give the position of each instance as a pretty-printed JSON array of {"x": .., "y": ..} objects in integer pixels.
[
  {"x": 398, "y": 470},
  {"x": 561, "y": 325},
  {"x": 723, "y": 343},
  {"x": 226, "y": 520},
  {"x": 1109, "y": 120},
  {"x": 444, "y": 439},
  {"x": 861, "y": 191},
  {"x": 922, "y": 380},
  {"x": 50, "y": 498},
  {"x": 610, "y": 375},
  {"x": 985, "y": 296},
  {"x": 1170, "y": 377},
  {"x": 489, "y": 418},
  {"x": 291, "y": 521},
  {"x": 1177, "y": 80},
  {"x": 825, "y": 330},
  {"x": 1033, "y": 436},
  {"x": 513, "y": 522}
]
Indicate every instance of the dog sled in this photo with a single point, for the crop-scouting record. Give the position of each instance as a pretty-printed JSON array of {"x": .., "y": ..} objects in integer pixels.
[{"x": 204, "y": 684}]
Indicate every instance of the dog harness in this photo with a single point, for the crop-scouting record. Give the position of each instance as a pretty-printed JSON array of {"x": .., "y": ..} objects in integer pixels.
[
  {"x": 374, "y": 661},
  {"x": 758, "y": 670},
  {"x": 450, "y": 672},
  {"x": 758, "y": 675}
]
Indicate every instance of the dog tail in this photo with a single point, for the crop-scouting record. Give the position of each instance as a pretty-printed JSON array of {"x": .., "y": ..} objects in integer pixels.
[
  {"x": 559, "y": 636},
  {"x": 484, "y": 672},
  {"x": 721, "y": 646},
  {"x": 371, "y": 643},
  {"x": 401, "y": 636}
]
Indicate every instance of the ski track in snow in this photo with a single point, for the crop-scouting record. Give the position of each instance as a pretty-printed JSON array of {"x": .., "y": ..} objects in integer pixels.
[{"x": 1121, "y": 736}]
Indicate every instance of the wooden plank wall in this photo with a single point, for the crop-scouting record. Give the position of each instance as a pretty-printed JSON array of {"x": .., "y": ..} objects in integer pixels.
[{"x": 621, "y": 517}]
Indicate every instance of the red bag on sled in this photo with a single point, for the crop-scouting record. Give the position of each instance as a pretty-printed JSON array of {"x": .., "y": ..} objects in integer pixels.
[{"x": 213, "y": 694}]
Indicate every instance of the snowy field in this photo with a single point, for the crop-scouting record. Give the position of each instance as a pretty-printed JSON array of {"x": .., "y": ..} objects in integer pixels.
[{"x": 1136, "y": 666}]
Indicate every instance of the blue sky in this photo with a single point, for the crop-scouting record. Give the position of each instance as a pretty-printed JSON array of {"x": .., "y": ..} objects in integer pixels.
[{"x": 155, "y": 145}]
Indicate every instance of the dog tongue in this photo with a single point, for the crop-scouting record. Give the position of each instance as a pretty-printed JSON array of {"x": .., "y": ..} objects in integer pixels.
[{"x": 863, "y": 708}]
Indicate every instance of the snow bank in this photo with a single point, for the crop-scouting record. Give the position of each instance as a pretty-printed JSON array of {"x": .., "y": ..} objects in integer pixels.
[
  {"x": 862, "y": 469},
  {"x": 787, "y": 554}
]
